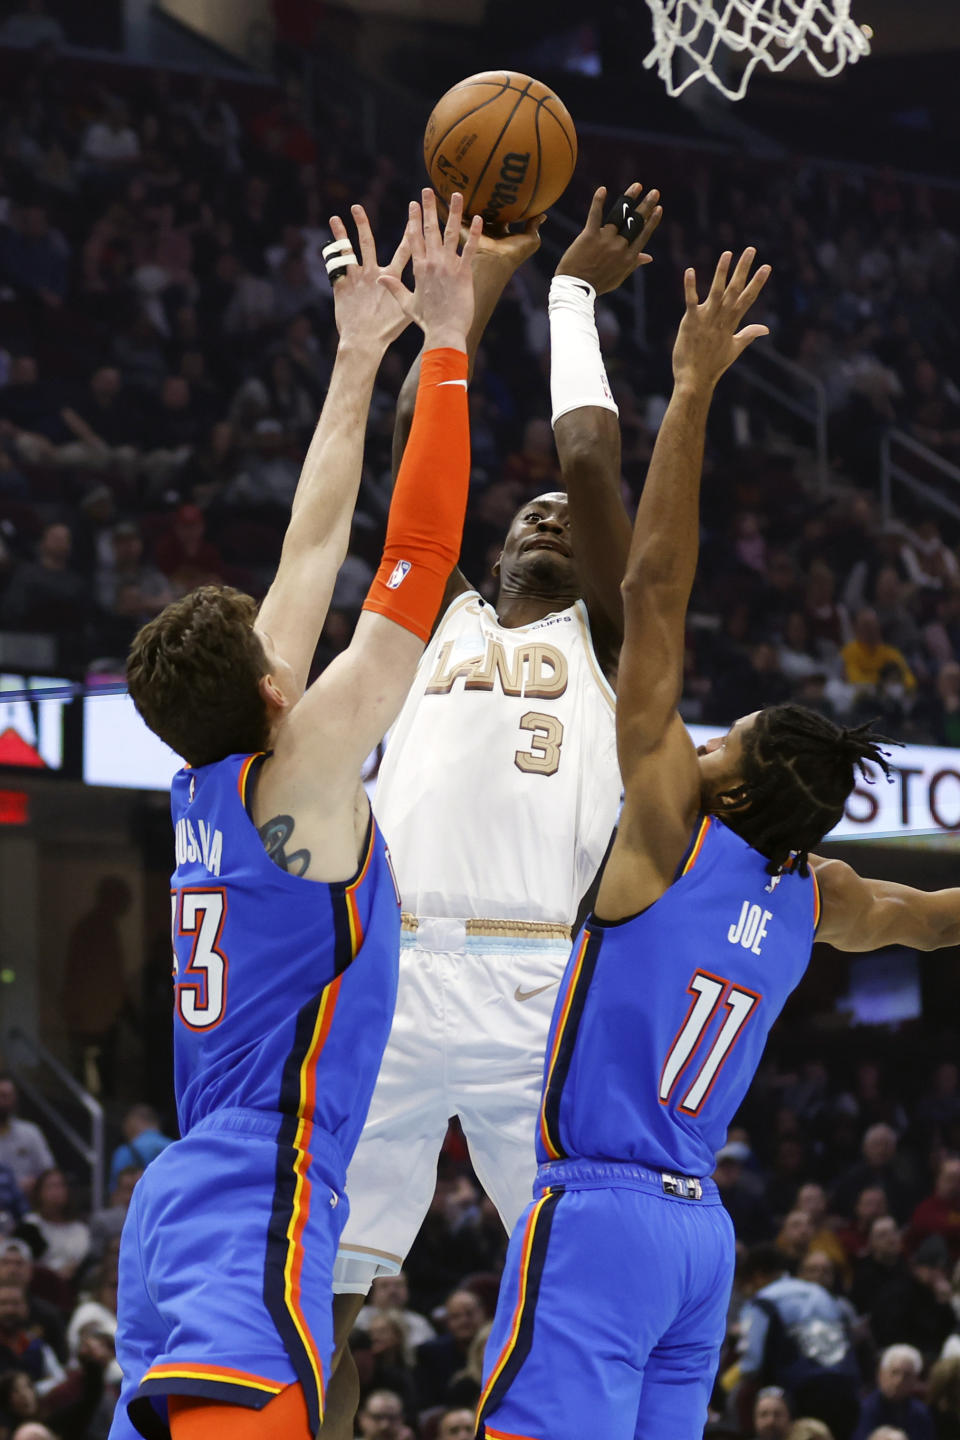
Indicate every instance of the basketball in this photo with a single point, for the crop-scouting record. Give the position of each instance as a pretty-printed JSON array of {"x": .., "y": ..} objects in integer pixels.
[{"x": 505, "y": 141}]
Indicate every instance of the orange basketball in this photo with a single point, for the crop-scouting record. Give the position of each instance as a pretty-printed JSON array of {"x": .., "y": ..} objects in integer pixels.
[{"x": 505, "y": 141}]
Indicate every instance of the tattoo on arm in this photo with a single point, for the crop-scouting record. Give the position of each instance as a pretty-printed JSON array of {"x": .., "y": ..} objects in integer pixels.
[{"x": 275, "y": 834}]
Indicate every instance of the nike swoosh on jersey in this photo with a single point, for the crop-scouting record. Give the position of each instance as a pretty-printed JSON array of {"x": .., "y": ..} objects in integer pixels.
[
  {"x": 441, "y": 383},
  {"x": 522, "y": 995}
]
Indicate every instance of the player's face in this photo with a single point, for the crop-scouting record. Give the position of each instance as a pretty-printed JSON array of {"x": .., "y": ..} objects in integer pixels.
[
  {"x": 537, "y": 554},
  {"x": 721, "y": 760}
]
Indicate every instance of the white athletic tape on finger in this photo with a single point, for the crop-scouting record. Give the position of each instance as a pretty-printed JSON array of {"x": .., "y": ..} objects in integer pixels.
[
  {"x": 337, "y": 267},
  {"x": 335, "y": 247}
]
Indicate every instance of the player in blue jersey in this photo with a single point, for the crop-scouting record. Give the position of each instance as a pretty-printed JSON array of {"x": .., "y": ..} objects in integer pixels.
[
  {"x": 613, "y": 1304},
  {"x": 285, "y": 913}
]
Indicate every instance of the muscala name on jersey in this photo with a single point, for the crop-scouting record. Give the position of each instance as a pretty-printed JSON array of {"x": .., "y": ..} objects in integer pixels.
[
  {"x": 750, "y": 928},
  {"x": 199, "y": 843},
  {"x": 536, "y": 671}
]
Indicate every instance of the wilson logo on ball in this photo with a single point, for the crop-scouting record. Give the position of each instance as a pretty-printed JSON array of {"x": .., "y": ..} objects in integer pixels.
[{"x": 513, "y": 172}]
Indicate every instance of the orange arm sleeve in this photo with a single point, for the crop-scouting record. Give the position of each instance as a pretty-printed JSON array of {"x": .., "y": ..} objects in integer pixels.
[{"x": 429, "y": 503}]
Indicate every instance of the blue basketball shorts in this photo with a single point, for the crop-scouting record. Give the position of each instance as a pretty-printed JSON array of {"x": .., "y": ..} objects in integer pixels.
[
  {"x": 612, "y": 1309},
  {"x": 226, "y": 1267}
]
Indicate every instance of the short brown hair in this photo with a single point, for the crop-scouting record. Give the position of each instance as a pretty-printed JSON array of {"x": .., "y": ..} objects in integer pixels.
[{"x": 194, "y": 674}]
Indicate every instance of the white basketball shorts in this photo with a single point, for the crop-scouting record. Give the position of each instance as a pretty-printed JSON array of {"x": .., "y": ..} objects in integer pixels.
[{"x": 468, "y": 1039}]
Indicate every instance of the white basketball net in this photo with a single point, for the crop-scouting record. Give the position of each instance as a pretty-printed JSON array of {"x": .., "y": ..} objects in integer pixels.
[{"x": 771, "y": 32}]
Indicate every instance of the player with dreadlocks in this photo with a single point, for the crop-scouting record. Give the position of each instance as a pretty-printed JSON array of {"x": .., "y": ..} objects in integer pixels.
[{"x": 613, "y": 1303}]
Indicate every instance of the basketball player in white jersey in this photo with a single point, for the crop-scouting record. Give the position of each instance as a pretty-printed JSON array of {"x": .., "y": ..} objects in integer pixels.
[{"x": 499, "y": 792}]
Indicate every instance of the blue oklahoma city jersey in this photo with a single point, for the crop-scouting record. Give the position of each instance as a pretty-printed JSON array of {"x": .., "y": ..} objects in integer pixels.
[
  {"x": 662, "y": 1019},
  {"x": 285, "y": 987}
]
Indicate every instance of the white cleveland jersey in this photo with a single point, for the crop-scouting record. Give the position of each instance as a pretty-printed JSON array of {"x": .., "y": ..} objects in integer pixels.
[{"x": 500, "y": 786}]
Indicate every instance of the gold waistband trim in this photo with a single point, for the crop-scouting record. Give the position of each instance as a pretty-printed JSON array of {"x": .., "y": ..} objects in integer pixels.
[{"x": 502, "y": 929}]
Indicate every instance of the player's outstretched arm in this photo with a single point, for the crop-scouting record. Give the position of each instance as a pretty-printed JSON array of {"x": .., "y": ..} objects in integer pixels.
[
  {"x": 657, "y": 759},
  {"x": 585, "y": 416},
  {"x": 860, "y": 914},
  {"x": 315, "y": 545},
  {"x": 346, "y": 712},
  {"x": 498, "y": 257}
]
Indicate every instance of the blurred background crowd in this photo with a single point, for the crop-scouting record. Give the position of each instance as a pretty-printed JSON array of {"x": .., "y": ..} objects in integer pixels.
[{"x": 166, "y": 336}]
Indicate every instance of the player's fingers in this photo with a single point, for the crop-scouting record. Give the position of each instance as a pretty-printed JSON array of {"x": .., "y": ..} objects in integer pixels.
[
  {"x": 751, "y": 291},
  {"x": 337, "y": 228},
  {"x": 400, "y": 293},
  {"x": 748, "y": 334},
  {"x": 431, "y": 224},
  {"x": 532, "y": 226},
  {"x": 451, "y": 231},
  {"x": 415, "y": 232},
  {"x": 473, "y": 239},
  {"x": 400, "y": 257},
  {"x": 740, "y": 274},
  {"x": 643, "y": 259},
  {"x": 634, "y": 190},
  {"x": 595, "y": 213},
  {"x": 690, "y": 289},
  {"x": 652, "y": 221},
  {"x": 720, "y": 276},
  {"x": 368, "y": 249}
]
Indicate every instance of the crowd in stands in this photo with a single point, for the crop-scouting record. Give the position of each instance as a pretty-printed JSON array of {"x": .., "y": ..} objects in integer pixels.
[
  {"x": 844, "y": 1323},
  {"x": 167, "y": 335}
]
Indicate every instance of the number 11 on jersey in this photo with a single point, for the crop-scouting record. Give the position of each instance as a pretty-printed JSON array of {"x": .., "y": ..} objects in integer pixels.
[{"x": 708, "y": 992}]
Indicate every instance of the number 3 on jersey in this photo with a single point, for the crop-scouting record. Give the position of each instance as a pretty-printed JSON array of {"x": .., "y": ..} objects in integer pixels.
[
  {"x": 201, "y": 987},
  {"x": 707, "y": 991}
]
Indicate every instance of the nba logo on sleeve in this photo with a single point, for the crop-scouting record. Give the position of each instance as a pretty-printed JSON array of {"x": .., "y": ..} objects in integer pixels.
[{"x": 400, "y": 572}]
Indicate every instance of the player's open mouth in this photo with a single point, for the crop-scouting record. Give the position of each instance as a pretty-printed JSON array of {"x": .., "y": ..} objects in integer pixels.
[{"x": 543, "y": 542}]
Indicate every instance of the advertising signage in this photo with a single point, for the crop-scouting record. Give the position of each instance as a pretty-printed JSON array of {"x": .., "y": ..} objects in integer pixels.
[{"x": 100, "y": 739}]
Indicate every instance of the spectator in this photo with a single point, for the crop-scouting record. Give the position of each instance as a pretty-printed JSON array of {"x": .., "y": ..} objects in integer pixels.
[
  {"x": 17, "y": 1268},
  {"x": 129, "y": 591},
  {"x": 23, "y": 1148},
  {"x": 95, "y": 994},
  {"x": 106, "y": 1225},
  {"x": 21, "y": 1344},
  {"x": 795, "y": 1237},
  {"x": 466, "y": 1385},
  {"x": 459, "y": 1425},
  {"x": 184, "y": 554},
  {"x": 438, "y": 1360},
  {"x": 796, "y": 1335},
  {"x": 943, "y": 1398},
  {"x": 143, "y": 1142},
  {"x": 879, "y": 1168},
  {"x": 111, "y": 143},
  {"x": 866, "y": 657},
  {"x": 13, "y": 1205},
  {"x": 34, "y": 257},
  {"x": 385, "y": 1365},
  {"x": 869, "y": 1205},
  {"x": 812, "y": 1199},
  {"x": 939, "y": 1214},
  {"x": 32, "y": 26},
  {"x": 894, "y": 1401},
  {"x": 66, "y": 1240},
  {"x": 883, "y": 1264},
  {"x": 809, "y": 1430},
  {"x": 391, "y": 1292},
  {"x": 46, "y": 594},
  {"x": 71, "y": 1404},
  {"x": 917, "y": 1308},
  {"x": 741, "y": 1195},
  {"x": 381, "y": 1417},
  {"x": 771, "y": 1414}
]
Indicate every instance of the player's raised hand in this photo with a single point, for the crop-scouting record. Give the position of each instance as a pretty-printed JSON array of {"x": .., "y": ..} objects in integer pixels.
[
  {"x": 442, "y": 302},
  {"x": 363, "y": 310},
  {"x": 509, "y": 248},
  {"x": 603, "y": 256},
  {"x": 711, "y": 336}
]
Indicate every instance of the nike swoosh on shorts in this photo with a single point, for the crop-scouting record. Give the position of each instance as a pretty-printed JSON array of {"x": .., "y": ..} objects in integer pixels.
[{"x": 522, "y": 995}]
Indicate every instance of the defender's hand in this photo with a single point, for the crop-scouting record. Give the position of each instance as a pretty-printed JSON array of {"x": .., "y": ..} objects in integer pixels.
[
  {"x": 603, "y": 257},
  {"x": 500, "y": 246},
  {"x": 442, "y": 303},
  {"x": 709, "y": 338},
  {"x": 364, "y": 311}
]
